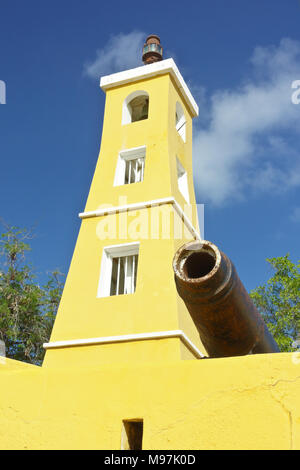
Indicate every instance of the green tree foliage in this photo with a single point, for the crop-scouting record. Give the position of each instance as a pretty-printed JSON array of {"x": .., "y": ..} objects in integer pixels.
[
  {"x": 27, "y": 310},
  {"x": 278, "y": 301}
]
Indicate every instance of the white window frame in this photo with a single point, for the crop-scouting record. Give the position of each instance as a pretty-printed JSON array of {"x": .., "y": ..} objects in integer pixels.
[
  {"x": 180, "y": 121},
  {"x": 110, "y": 252},
  {"x": 126, "y": 156},
  {"x": 182, "y": 181}
]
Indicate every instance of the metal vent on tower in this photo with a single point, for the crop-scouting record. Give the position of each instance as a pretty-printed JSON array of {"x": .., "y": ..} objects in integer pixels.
[{"x": 152, "y": 50}]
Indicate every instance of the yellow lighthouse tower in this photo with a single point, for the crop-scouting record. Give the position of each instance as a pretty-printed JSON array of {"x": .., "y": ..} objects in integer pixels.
[
  {"x": 120, "y": 301},
  {"x": 121, "y": 369}
]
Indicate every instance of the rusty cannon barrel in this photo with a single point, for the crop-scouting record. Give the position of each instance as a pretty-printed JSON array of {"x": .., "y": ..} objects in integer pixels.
[{"x": 225, "y": 316}]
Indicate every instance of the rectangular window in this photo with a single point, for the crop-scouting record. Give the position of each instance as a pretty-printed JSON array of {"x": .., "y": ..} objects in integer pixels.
[
  {"x": 182, "y": 181},
  {"x": 118, "y": 270},
  {"x": 123, "y": 276},
  {"x": 134, "y": 170},
  {"x": 130, "y": 166}
]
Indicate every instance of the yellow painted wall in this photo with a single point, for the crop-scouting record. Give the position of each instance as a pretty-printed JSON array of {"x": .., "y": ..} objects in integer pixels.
[
  {"x": 250, "y": 402},
  {"x": 152, "y": 132},
  {"x": 82, "y": 394},
  {"x": 157, "y": 133},
  {"x": 155, "y": 305}
]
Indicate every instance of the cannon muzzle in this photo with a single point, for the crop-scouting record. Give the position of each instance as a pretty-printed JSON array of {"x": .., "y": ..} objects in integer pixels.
[{"x": 225, "y": 316}]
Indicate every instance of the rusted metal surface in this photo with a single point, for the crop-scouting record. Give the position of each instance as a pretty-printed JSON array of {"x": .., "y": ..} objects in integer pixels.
[
  {"x": 152, "y": 50},
  {"x": 225, "y": 316}
]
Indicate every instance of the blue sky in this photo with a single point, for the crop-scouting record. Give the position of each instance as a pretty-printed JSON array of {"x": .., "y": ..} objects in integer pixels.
[{"x": 239, "y": 59}]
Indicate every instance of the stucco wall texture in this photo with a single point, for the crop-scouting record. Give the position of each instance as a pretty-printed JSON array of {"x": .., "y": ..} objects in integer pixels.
[
  {"x": 81, "y": 396},
  {"x": 249, "y": 402}
]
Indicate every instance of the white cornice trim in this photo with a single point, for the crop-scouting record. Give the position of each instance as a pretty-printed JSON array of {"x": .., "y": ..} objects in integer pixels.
[
  {"x": 127, "y": 207},
  {"x": 143, "y": 205},
  {"x": 126, "y": 338},
  {"x": 148, "y": 71}
]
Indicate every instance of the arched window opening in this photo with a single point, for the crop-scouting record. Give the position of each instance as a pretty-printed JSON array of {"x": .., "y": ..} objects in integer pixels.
[
  {"x": 180, "y": 121},
  {"x": 135, "y": 107},
  {"x": 139, "y": 108}
]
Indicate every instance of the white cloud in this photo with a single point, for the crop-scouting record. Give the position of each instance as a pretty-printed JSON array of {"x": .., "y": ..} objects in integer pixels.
[
  {"x": 122, "y": 52},
  {"x": 246, "y": 146}
]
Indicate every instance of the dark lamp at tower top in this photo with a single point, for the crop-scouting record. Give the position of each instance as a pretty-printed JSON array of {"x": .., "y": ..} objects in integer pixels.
[{"x": 152, "y": 50}]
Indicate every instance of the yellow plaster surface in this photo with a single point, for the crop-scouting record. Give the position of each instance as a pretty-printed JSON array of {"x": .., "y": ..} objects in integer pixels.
[
  {"x": 250, "y": 402},
  {"x": 155, "y": 305},
  {"x": 82, "y": 394}
]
